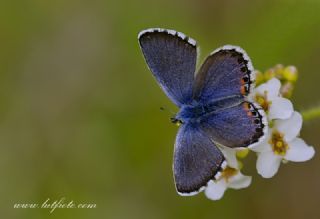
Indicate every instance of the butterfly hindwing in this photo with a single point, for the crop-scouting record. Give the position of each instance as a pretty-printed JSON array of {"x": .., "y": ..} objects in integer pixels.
[
  {"x": 238, "y": 126},
  {"x": 226, "y": 72},
  {"x": 196, "y": 160},
  {"x": 171, "y": 57}
]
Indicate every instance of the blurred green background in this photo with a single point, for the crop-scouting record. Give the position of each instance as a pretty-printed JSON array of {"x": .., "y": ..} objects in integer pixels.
[{"x": 80, "y": 118}]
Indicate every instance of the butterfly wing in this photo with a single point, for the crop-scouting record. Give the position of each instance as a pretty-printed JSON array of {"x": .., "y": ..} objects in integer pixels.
[
  {"x": 197, "y": 160},
  {"x": 242, "y": 125},
  {"x": 227, "y": 77},
  {"x": 225, "y": 73},
  {"x": 171, "y": 57}
]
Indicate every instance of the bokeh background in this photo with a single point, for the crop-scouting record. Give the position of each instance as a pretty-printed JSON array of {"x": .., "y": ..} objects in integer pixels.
[{"x": 79, "y": 110}]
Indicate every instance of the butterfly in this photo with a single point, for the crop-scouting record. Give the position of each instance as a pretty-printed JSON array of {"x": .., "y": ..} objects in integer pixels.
[{"x": 214, "y": 108}]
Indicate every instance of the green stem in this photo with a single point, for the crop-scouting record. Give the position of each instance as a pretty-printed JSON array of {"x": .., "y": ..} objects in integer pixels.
[{"x": 311, "y": 114}]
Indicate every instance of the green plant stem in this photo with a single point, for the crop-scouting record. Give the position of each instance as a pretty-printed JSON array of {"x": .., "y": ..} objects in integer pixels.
[{"x": 311, "y": 114}]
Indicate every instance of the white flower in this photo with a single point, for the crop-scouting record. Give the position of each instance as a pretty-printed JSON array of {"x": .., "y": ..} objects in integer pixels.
[
  {"x": 267, "y": 95},
  {"x": 282, "y": 144},
  {"x": 230, "y": 177}
]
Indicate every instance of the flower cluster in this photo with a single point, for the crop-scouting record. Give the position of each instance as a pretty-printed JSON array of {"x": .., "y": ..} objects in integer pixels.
[{"x": 280, "y": 145}]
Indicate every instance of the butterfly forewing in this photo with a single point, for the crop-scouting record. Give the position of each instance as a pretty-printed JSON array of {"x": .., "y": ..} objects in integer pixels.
[
  {"x": 226, "y": 72},
  {"x": 171, "y": 57}
]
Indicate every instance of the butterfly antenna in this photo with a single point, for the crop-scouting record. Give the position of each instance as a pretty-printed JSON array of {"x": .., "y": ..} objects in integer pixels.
[
  {"x": 166, "y": 109},
  {"x": 172, "y": 114},
  {"x": 173, "y": 118}
]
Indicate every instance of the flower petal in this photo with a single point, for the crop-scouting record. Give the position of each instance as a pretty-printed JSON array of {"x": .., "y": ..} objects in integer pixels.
[
  {"x": 215, "y": 190},
  {"x": 268, "y": 164},
  {"x": 289, "y": 127},
  {"x": 239, "y": 181},
  {"x": 280, "y": 108},
  {"x": 272, "y": 87},
  {"x": 264, "y": 146},
  {"x": 230, "y": 155},
  {"x": 299, "y": 151}
]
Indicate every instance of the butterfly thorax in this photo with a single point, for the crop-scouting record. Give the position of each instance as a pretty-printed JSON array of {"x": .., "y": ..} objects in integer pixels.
[
  {"x": 197, "y": 111},
  {"x": 190, "y": 113}
]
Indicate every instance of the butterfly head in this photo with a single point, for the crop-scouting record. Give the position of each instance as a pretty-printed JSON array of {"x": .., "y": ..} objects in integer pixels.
[{"x": 189, "y": 114}]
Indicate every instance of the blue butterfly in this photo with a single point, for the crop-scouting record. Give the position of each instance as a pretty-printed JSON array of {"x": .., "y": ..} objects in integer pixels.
[{"x": 214, "y": 106}]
